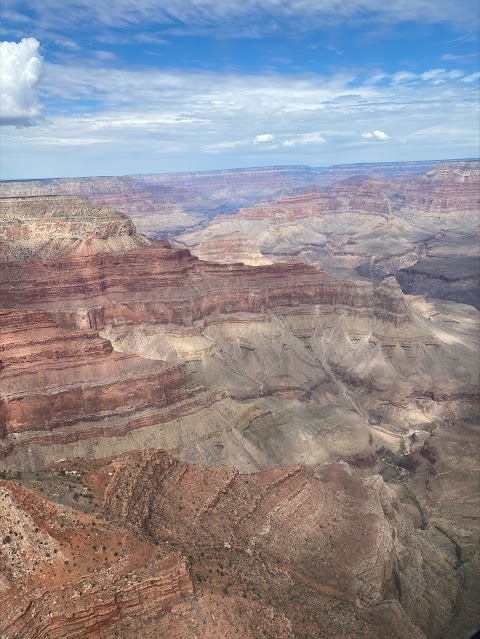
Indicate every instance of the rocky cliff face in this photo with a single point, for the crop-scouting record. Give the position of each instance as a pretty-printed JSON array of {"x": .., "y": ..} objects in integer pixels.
[
  {"x": 193, "y": 336},
  {"x": 166, "y": 204},
  {"x": 356, "y": 561},
  {"x": 351, "y": 225},
  {"x": 124, "y": 574},
  {"x": 60, "y": 386},
  {"x": 66, "y": 573},
  {"x": 450, "y": 269},
  {"x": 372, "y": 220},
  {"x": 446, "y": 197},
  {"x": 54, "y": 226},
  {"x": 374, "y": 226},
  {"x": 281, "y": 392}
]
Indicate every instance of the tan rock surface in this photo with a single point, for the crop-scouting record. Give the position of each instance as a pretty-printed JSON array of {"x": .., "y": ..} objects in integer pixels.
[
  {"x": 281, "y": 369},
  {"x": 53, "y": 226}
]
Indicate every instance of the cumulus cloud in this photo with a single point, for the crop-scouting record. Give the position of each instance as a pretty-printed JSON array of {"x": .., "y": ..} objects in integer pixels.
[
  {"x": 375, "y": 135},
  {"x": 21, "y": 68},
  {"x": 265, "y": 138}
]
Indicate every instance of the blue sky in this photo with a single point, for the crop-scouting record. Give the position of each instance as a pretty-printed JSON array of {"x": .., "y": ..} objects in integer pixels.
[{"x": 92, "y": 87}]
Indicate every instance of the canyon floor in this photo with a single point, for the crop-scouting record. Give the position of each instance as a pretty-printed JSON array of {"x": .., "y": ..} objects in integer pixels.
[{"x": 266, "y": 426}]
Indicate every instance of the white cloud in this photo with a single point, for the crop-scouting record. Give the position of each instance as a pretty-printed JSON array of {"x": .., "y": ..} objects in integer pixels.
[
  {"x": 305, "y": 138},
  {"x": 104, "y": 55},
  {"x": 265, "y": 138},
  {"x": 248, "y": 18},
  {"x": 20, "y": 71},
  {"x": 435, "y": 76},
  {"x": 403, "y": 76},
  {"x": 182, "y": 120},
  {"x": 473, "y": 77},
  {"x": 375, "y": 135},
  {"x": 458, "y": 56}
]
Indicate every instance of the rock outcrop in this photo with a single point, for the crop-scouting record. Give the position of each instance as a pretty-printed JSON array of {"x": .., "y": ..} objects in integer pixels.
[
  {"x": 165, "y": 205},
  {"x": 60, "y": 386},
  {"x": 237, "y": 531},
  {"x": 369, "y": 226},
  {"x": 351, "y": 225},
  {"x": 49, "y": 227},
  {"x": 449, "y": 270},
  {"x": 67, "y": 574},
  {"x": 448, "y": 196}
]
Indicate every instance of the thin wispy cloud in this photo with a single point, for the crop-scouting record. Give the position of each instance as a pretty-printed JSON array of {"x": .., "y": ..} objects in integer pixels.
[
  {"x": 458, "y": 56},
  {"x": 265, "y": 15},
  {"x": 158, "y": 85},
  {"x": 233, "y": 118}
]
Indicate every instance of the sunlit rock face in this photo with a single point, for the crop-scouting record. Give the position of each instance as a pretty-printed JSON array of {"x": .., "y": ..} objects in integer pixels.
[
  {"x": 424, "y": 226},
  {"x": 54, "y": 226},
  {"x": 145, "y": 544},
  {"x": 448, "y": 196},
  {"x": 181, "y": 336},
  {"x": 305, "y": 422}
]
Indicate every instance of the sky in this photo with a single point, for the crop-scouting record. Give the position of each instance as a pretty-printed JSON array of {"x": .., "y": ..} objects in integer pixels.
[{"x": 95, "y": 87}]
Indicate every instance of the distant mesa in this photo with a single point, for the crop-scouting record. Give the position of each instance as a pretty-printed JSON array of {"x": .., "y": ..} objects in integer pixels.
[{"x": 54, "y": 226}]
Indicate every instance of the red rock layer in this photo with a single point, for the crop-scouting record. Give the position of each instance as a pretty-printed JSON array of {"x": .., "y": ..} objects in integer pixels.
[
  {"x": 55, "y": 379},
  {"x": 160, "y": 284},
  {"x": 71, "y": 575},
  {"x": 224, "y": 508},
  {"x": 317, "y": 545},
  {"x": 355, "y": 196}
]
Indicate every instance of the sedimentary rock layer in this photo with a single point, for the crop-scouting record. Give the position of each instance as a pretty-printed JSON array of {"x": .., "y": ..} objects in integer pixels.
[
  {"x": 285, "y": 331},
  {"x": 61, "y": 385},
  {"x": 372, "y": 226},
  {"x": 66, "y": 574},
  {"x": 50, "y": 226},
  {"x": 125, "y": 575}
]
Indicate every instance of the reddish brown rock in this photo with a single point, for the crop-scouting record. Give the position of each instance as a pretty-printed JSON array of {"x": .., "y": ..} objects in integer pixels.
[
  {"x": 105, "y": 580},
  {"x": 448, "y": 196},
  {"x": 61, "y": 385},
  {"x": 67, "y": 574}
]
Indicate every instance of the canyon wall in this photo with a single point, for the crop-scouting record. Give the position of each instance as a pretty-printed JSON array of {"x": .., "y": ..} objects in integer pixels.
[{"x": 327, "y": 421}]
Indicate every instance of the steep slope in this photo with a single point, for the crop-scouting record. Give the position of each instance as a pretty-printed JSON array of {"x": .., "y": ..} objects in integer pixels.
[
  {"x": 351, "y": 225},
  {"x": 60, "y": 386},
  {"x": 71, "y": 573},
  {"x": 356, "y": 562},
  {"x": 449, "y": 270},
  {"x": 448, "y": 196},
  {"x": 321, "y": 383},
  {"x": 373, "y": 226},
  {"x": 164, "y": 205},
  {"x": 294, "y": 364},
  {"x": 125, "y": 573}
]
